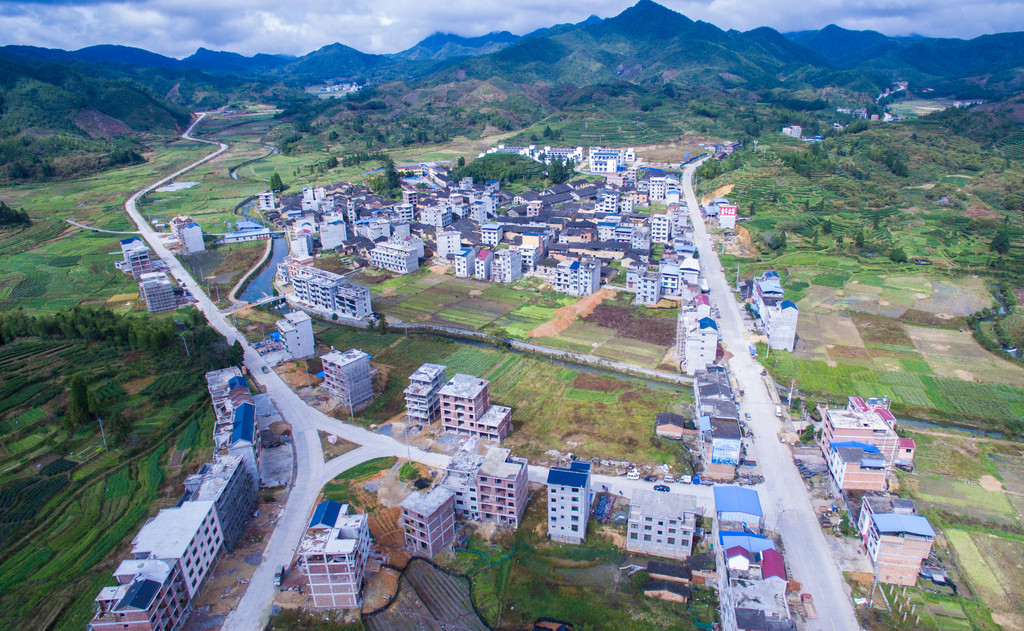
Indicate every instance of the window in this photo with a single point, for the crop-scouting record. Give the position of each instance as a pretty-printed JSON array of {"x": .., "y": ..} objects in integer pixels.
[
  {"x": 671, "y": 541},
  {"x": 647, "y": 537},
  {"x": 633, "y": 536}
]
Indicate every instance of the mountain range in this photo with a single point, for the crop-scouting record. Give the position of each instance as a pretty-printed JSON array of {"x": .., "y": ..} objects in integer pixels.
[{"x": 646, "y": 49}]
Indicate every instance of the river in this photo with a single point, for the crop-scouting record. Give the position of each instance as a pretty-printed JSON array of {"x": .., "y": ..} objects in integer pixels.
[{"x": 263, "y": 284}]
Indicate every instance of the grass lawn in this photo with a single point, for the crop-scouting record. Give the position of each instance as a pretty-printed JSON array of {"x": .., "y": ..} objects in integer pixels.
[{"x": 991, "y": 563}]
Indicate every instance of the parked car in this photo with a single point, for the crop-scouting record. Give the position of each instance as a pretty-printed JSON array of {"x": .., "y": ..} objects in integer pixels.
[
  {"x": 661, "y": 487},
  {"x": 266, "y": 369},
  {"x": 650, "y": 478},
  {"x": 684, "y": 479},
  {"x": 669, "y": 477}
]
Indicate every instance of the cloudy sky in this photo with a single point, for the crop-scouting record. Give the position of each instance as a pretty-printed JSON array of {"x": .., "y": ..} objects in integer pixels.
[{"x": 295, "y": 27}]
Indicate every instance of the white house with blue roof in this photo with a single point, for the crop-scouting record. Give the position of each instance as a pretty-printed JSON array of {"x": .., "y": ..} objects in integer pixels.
[
  {"x": 569, "y": 502},
  {"x": 700, "y": 344},
  {"x": 332, "y": 556},
  {"x": 778, "y": 315},
  {"x": 245, "y": 439}
]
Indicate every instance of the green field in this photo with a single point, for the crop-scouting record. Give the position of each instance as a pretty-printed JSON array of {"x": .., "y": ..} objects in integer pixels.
[
  {"x": 991, "y": 565},
  {"x": 68, "y": 502},
  {"x": 601, "y": 416}
]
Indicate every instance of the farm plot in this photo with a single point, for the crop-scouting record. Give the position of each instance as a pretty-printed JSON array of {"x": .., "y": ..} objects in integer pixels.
[
  {"x": 427, "y": 597},
  {"x": 940, "y": 492},
  {"x": 991, "y": 563}
]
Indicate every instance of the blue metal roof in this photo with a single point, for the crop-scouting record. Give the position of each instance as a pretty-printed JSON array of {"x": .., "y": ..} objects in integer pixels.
[
  {"x": 564, "y": 477},
  {"x": 789, "y": 304},
  {"x": 896, "y": 523},
  {"x": 236, "y": 382},
  {"x": 325, "y": 515},
  {"x": 580, "y": 465},
  {"x": 733, "y": 499},
  {"x": 274, "y": 335},
  {"x": 866, "y": 447},
  {"x": 244, "y": 425},
  {"x": 247, "y": 225},
  {"x": 770, "y": 286},
  {"x": 707, "y": 323},
  {"x": 139, "y": 595},
  {"x": 770, "y": 274},
  {"x": 747, "y": 541}
]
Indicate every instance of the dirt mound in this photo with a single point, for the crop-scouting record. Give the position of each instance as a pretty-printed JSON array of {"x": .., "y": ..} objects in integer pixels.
[{"x": 565, "y": 316}]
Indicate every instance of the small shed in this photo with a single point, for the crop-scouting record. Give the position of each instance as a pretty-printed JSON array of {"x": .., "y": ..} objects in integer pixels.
[
  {"x": 666, "y": 590},
  {"x": 739, "y": 505}
]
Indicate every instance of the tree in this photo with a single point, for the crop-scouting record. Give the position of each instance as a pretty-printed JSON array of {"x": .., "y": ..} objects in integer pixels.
[
  {"x": 12, "y": 217},
  {"x": 462, "y": 161},
  {"x": 237, "y": 353},
  {"x": 275, "y": 182},
  {"x": 383, "y": 326},
  {"x": 78, "y": 408},
  {"x": 897, "y": 255},
  {"x": 826, "y": 226},
  {"x": 859, "y": 239},
  {"x": 1000, "y": 243},
  {"x": 876, "y": 219}
]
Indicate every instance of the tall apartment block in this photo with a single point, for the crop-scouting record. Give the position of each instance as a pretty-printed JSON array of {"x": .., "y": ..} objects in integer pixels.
[
  {"x": 466, "y": 409},
  {"x": 423, "y": 395},
  {"x": 296, "y": 332},
  {"x": 661, "y": 524},
  {"x": 578, "y": 278},
  {"x": 428, "y": 520},
  {"x": 137, "y": 260},
  {"x": 400, "y": 258},
  {"x": 332, "y": 556},
  {"x": 347, "y": 376},
  {"x": 569, "y": 502},
  {"x": 189, "y": 234},
  {"x": 489, "y": 488},
  {"x": 329, "y": 292},
  {"x": 227, "y": 483},
  {"x": 189, "y": 535},
  {"x": 157, "y": 291}
]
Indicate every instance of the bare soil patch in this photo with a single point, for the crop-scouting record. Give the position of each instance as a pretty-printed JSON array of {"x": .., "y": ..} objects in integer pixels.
[
  {"x": 565, "y": 316},
  {"x": 587, "y": 381},
  {"x": 990, "y": 483},
  {"x": 653, "y": 330}
]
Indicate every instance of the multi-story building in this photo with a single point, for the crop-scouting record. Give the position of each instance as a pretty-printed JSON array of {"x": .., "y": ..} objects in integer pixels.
[
  {"x": 347, "y": 376},
  {"x": 228, "y": 390},
  {"x": 188, "y": 535},
  {"x": 400, "y": 258},
  {"x": 778, "y": 315},
  {"x": 373, "y": 228},
  {"x": 157, "y": 291},
  {"x": 329, "y": 292},
  {"x": 227, "y": 484},
  {"x": 700, "y": 345},
  {"x": 150, "y": 595},
  {"x": 640, "y": 239},
  {"x": 406, "y": 212},
  {"x": 661, "y": 229},
  {"x": 137, "y": 259},
  {"x": 569, "y": 502},
  {"x": 646, "y": 284},
  {"x": 266, "y": 200},
  {"x": 896, "y": 538},
  {"x": 244, "y": 440},
  {"x": 296, "y": 333},
  {"x": 578, "y": 278},
  {"x": 466, "y": 409},
  {"x": 428, "y": 520},
  {"x": 465, "y": 263},
  {"x": 189, "y": 235},
  {"x": 489, "y": 488},
  {"x": 507, "y": 266},
  {"x": 332, "y": 556},
  {"x": 860, "y": 443},
  {"x": 448, "y": 242},
  {"x": 423, "y": 394},
  {"x": 720, "y": 447},
  {"x": 436, "y": 216},
  {"x": 482, "y": 265},
  {"x": 491, "y": 234},
  {"x": 661, "y": 524},
  {"x": 333, "y": 231}
]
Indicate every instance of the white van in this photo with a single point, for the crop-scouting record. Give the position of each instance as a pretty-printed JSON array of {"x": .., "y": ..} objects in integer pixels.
[
  {"x": 633, "y": 474},
  {"x": 778, "y": 411}
]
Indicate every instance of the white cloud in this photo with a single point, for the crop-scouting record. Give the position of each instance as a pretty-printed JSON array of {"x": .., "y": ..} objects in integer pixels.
[{"x": 178, "y": 27}]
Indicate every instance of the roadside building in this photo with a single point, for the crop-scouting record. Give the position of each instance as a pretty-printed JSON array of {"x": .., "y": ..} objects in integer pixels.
[
  {"x": 158, "y": 292},
  {"x": 188, "y": 535},
  {"x": 137, "y": 259},
  {"x": 428, "y": 520},
  {"x": 507, "y": 266},
  {"x": 227, "y": 484},
  {"x": 296, "y": 333},
  {"x": 700, "y": 344},
  {"x": 244, "y": 440},
  {"x": 489, "y": 488},
  {"x": 661, "y": 524},
  {"x": 466, "y": 409},
  {"x": 266, "y": 200},
  {"x": 150, "y": 595},
  {"x": 347, "y": 376},
  {"x": 423, "y": 394},
  {"x": 857, "y": 466},
  {"x": 332, "y": 556},
  {"x": 738, "y": 506},
  {"x": 778, "y": 315},
  {"x": 720, "y": 442},
  {"x": 569, "y": 502},
  {"x": 189, "y": 235},
  {"x": 896, "y": 538},
  {"x": 670, "y": 425},
  {"x": 859, "y": 443}
]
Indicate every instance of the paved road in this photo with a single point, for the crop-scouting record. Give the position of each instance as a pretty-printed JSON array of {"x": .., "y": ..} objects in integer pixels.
[
  {"x": 82, "y": 225},
  {"x": 784, "y": 496}
]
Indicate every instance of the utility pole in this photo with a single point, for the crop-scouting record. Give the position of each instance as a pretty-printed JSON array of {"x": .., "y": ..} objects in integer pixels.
[
  {"x": 102, "y": 434},
  {"x": 789, "y": 400}
]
